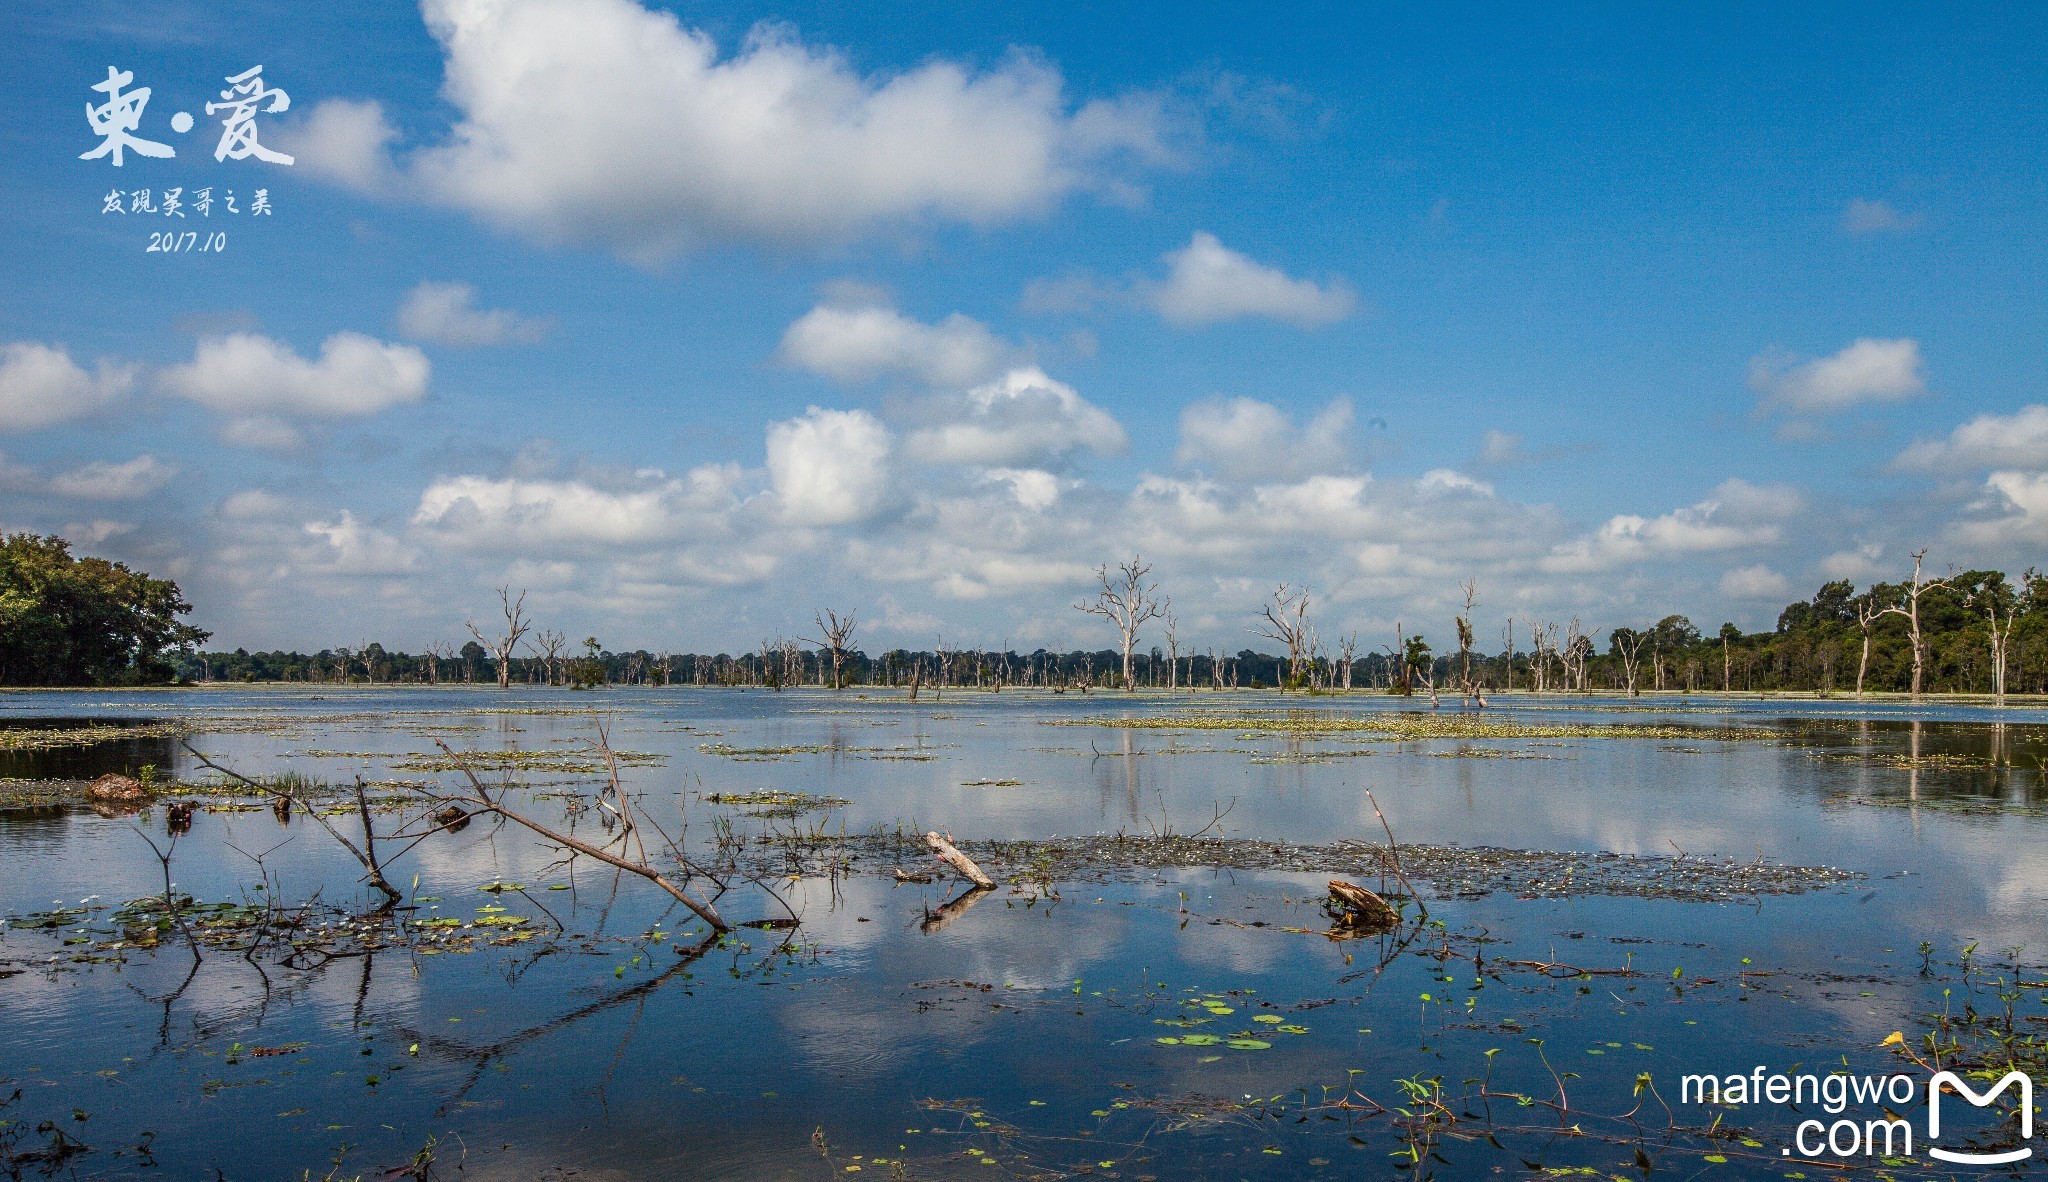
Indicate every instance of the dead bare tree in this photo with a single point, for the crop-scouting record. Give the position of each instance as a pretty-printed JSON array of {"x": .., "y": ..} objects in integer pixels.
[
  {"x": 1867, "y": 612},
  {"x": 1285, "y": 620},
  {"x": 1628, "y": 643},
  {"x": 1508, "y": 658},
  {"x": 1172, "y": 650},
  {"x": 836, "y": 636},
  {"x": 1127, "y": 602},
  {"x": 1911, "y": 610},
  {"x": 1992, "y": 597},
  {"x": 549, "y": 646},
  {"x": 505, "y": 644},
  {"x": 1577, "y": 648},
  {"x": 1464, "y": 622},
  {"x": 1347, "y": 652}
]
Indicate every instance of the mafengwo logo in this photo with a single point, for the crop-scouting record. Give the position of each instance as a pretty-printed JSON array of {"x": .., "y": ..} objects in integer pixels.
[{"x": 2009, "y": 1099}]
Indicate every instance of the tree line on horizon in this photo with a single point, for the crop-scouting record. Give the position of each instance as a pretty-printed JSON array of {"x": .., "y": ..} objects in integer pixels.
[{"x": 66, "y": 620}]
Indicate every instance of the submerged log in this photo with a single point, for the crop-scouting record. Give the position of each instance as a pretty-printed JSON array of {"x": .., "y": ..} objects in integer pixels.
[
  {"x": 1353, "y": 906},
  {"x": 961, "y": 863}
]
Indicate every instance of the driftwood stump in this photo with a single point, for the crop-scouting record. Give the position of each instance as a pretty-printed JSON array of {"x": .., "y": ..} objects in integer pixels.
[
  {"x": 115, "y": 788},
  {"x": 942, "y": 846},
  {"x": 1353, "y": 906}
]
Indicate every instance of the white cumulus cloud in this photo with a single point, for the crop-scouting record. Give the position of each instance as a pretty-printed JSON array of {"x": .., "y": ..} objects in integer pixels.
[
  {"x": 1754, "y": 582},
  {"x": 2018, "y": 440},
  {"x": 856, "y": 340},
  {"x": 1246, "y": 439},
  {"x": 829, "y": 467},
  {"x": 1022, "y": 419},
  {"x": 249, "y": 376},
  {"x": 40, "y": 386},
  {"x": 482, "y": 512},
  {"x": 446, "y": 314},
  {"x": 355, "y": 548},
  {"x": 607, "y": 123},
  {"x": 1870, "y": 370},
  {"x": 104, "y": 480},
  {"x": 1736, "y": 515},
  {"x": 1207, "y": 282}
]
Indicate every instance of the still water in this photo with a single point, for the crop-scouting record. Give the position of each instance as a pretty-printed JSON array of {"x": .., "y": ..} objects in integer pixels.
[{"x": 1023, "y": 1038}]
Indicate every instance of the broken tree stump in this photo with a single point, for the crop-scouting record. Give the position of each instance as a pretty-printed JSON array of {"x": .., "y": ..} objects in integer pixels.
[
  {"x": 115, "y": 788},
  {"x": 1353, "y": 906},
  {"x": 942, "y": 846}
]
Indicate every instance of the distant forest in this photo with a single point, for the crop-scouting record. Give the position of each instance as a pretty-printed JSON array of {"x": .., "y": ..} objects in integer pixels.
[
  {"x": 66, "y": 620},
  {"x": 1819, "y": 645}
]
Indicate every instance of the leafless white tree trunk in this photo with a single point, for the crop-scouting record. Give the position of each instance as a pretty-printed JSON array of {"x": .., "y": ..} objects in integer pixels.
[
  {"x": 1911, "y": 611},
  {"x": 516, "y": 628},
  {"x": 1464, "y": 621},
  {"x": 549, "y": 646},
  {"x": 1172, "y": 649},
  {"x": 1347, "y": 652},
  {"x": 1999, "y": 639},
  {"x": 837, "y": 638},
  {"x": 1629, "y": 644},
  {"x": 1126, "y": 601},
  {"x": 1286, "y": 620}
]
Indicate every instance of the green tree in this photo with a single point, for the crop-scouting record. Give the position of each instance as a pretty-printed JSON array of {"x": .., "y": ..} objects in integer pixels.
[{"x": 84, "y": 621}]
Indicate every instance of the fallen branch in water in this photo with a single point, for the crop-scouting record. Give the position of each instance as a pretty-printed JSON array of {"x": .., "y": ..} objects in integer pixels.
[
  {"x": 942, "y": 846},
  {"x": 613, "y": 800},
  {"x": 1353, "y": 906},
  {"x": 366, "y": 854}
]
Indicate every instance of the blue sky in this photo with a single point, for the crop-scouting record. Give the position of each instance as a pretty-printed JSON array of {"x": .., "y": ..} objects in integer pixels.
[{"x": 693, "y": 320}]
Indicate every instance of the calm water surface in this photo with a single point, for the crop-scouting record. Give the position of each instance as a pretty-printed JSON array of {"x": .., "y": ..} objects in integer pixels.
[{"x": 873, "y": 1048}]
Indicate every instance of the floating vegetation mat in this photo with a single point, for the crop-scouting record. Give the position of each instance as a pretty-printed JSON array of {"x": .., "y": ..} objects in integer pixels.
[
  {"x": 1966, "y": 806},
  {"x": 1409, "y": 725},
  {"x": 1468, "y": 871},
  {"x": 585, "y": 762},
  {"x": 39, "y": 738},
  {"x": 1932, "y": 761},
  {"x": 771, "y": 754},
  {"x": 772, "y": 802}
]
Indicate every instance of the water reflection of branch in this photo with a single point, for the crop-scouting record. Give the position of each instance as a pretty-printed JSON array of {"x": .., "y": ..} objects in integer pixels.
[
  {"x": 935, "y": 920},
  {"x": 484, "y": 1056}
]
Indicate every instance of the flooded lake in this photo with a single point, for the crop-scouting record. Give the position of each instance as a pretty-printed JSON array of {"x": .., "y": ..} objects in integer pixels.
[{"x": 1802, "y": 880}]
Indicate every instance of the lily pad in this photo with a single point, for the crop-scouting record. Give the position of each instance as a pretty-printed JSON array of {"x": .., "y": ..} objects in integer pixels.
[{"x": 1249, "y": 1044}]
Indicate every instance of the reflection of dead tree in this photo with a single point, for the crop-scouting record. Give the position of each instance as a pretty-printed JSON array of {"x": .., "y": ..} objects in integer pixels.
[
  {"x": 836, "y": 637},
  {"x": 612, "y": 802},
  {"x": 516, "y": 628},
  {"x": 1127, "y": 602},
  {"x": 1286, "y": 620}
]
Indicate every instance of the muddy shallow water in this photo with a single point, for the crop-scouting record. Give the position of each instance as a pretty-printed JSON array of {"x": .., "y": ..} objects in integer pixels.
[{"x": 1164, "y": 1021}]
